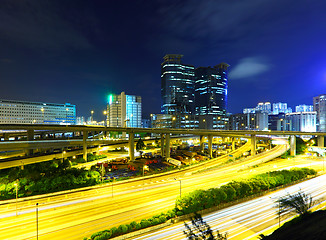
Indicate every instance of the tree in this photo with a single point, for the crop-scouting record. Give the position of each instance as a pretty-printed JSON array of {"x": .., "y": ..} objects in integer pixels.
[
  {"x": 299, "y": 203},
  {"x": 201, "y": 230},
  {"x": 140, "y": 144}
]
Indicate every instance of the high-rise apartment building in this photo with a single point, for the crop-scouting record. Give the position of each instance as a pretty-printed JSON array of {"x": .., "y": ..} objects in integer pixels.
[
  {"x": 124, "y": 110},
  {"x": 281, "y": 108},
  {"x": 177, "y": 86},
  {"x": 23, "y": 112},
  {"x": 304, "y": 108},
  {"x": 264, "y": 107},
  {"x": 320, "y": 108}
]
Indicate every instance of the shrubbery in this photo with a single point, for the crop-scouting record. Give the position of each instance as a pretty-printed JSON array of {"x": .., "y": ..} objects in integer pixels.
[
  {"x": 133, "y": 226},
  {"x": 203, "y": 199},
  {"x": 45, "y": 177}
]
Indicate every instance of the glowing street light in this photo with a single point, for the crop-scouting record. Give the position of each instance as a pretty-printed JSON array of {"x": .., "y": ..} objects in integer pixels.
[
  {"x": 106, "y": 117},
  {"x": 180, "y": 184},
  {"x": 92, "y": 112},
  {"x": 16, "y": 186},
  {"x": 145, "y": 167}
]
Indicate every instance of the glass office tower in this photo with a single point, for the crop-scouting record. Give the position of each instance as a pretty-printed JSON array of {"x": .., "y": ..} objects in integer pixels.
[
  {"x": 211, "y": 90},
  {"x": 177, "y": 86}
]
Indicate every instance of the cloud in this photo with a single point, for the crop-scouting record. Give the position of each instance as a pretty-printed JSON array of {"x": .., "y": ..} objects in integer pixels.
[
  {"x": 249, "y": 67},
  {"x": 39, "y": 24}
]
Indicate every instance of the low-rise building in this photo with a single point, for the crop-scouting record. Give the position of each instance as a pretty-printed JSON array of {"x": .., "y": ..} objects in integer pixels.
[{"x": 24, "y": 112}]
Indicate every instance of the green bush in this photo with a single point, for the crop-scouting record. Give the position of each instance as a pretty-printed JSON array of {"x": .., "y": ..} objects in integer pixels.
[
  {"x": 123, "y": 229},
  {"x": 145, "y": 223},
  {"x": 114, "y": 231},
  {"x": 203, "y": 199}
]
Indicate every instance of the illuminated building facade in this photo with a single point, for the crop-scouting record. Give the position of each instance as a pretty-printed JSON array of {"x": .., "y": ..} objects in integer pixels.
[
  {"x": 177, "y": 86},
  {"x": 124, "y": 110},
  {"x": 23, "y": 112},
  {"x": 320, "y": 109},
  {"x": 301, "y": 121},
  {"x": 190, "y": 95},
  {"x": 248, "y": 121},
  {"x": 304, "y": 108},
  {"x": 211, "y": 95}
]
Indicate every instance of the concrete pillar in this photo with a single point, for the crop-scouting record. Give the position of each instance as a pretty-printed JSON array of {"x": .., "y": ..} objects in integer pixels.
[
  {"x": 162, "y": 145},
  {"x": 6, "y": 137},
  {"x": 233, "y": 144},
  {"x": 131, "y": 144},
  {"x": 292, "y": 145},
  {"x": 202, "y": 145},
  {"x": 253, "y": 145},
  {"x": 30, "y": 137},
  {"x": 210, "y": 145},
  {"x": 85, "y": 136},
  {"x": 167, "y": 145},
  {"x": 320, "y": 140}
]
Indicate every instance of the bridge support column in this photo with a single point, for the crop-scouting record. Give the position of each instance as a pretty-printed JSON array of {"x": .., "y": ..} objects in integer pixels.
[
  {"x": 292, "y": 145},
  {"x": 85, "y": 136},
  {"x": 6, "y": 137},
  {"x": 210, "y": 145},
  {"x": 202, "y": 146},
  {"x": 131, "y": 144},
  {"x": 321, "y": 141},
  {"x": 233, "y": 144},
  {"x": 253, "y": 145},
  {"x": 167, "y": 145},
  {"x": 30, "y": 137},
  {"x": 162, "y": 145}
]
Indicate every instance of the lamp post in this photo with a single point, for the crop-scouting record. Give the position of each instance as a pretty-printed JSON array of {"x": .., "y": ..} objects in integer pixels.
[
  {"x": 180, "y": 185},
  {"x": 63, "y": 152},
  {"x": 145, "y": 167},
  {"x": 106, "y": 117},
  {"x": 16, "y": 186},
  {"x": 102, "y": 172},
  {"x": 37, "y": 221},
  {"x": 92, "y": 112}
]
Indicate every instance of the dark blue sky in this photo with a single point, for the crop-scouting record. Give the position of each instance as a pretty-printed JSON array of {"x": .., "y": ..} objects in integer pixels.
[{"x": 79, "y": 51}]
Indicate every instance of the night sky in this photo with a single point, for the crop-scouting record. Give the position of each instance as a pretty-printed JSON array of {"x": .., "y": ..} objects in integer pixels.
[{"x": 79, "y": 51}]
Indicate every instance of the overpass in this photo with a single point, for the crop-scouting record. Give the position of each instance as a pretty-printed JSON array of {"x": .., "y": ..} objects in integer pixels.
[{"x": 30, "y": 130}]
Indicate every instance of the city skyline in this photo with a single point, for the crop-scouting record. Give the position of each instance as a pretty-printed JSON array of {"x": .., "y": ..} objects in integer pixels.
[{"x": 62, "y": 52}]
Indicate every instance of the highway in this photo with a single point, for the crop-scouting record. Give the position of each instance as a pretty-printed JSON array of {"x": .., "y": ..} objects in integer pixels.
[
  {"x": 74, "y": 215},
  {"x": 247, "y": 220}
]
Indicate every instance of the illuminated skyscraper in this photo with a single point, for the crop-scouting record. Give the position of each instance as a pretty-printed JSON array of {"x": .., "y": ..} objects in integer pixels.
[
  {"x": 211, "y": 90},
  {"x": 320, "y": 108},
  {"x": 177, "y": 86},
  {"x": 124, "y": 110}
]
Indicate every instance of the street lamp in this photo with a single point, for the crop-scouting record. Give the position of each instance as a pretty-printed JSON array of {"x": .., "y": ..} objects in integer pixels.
[
  {"x": 106, "y": 117},
  {"x": 16, "y": 186},
  {"x": 63, "y": 152},
  {"x": 37, "y": 221},
  {"x": 92, "y": 112},
  {"x": 145, "y": 167},
  {"x": 180, "y": 185}
]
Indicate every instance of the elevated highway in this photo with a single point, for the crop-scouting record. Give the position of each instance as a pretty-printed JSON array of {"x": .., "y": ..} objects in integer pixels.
[{"x": 164, "y": 135}]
